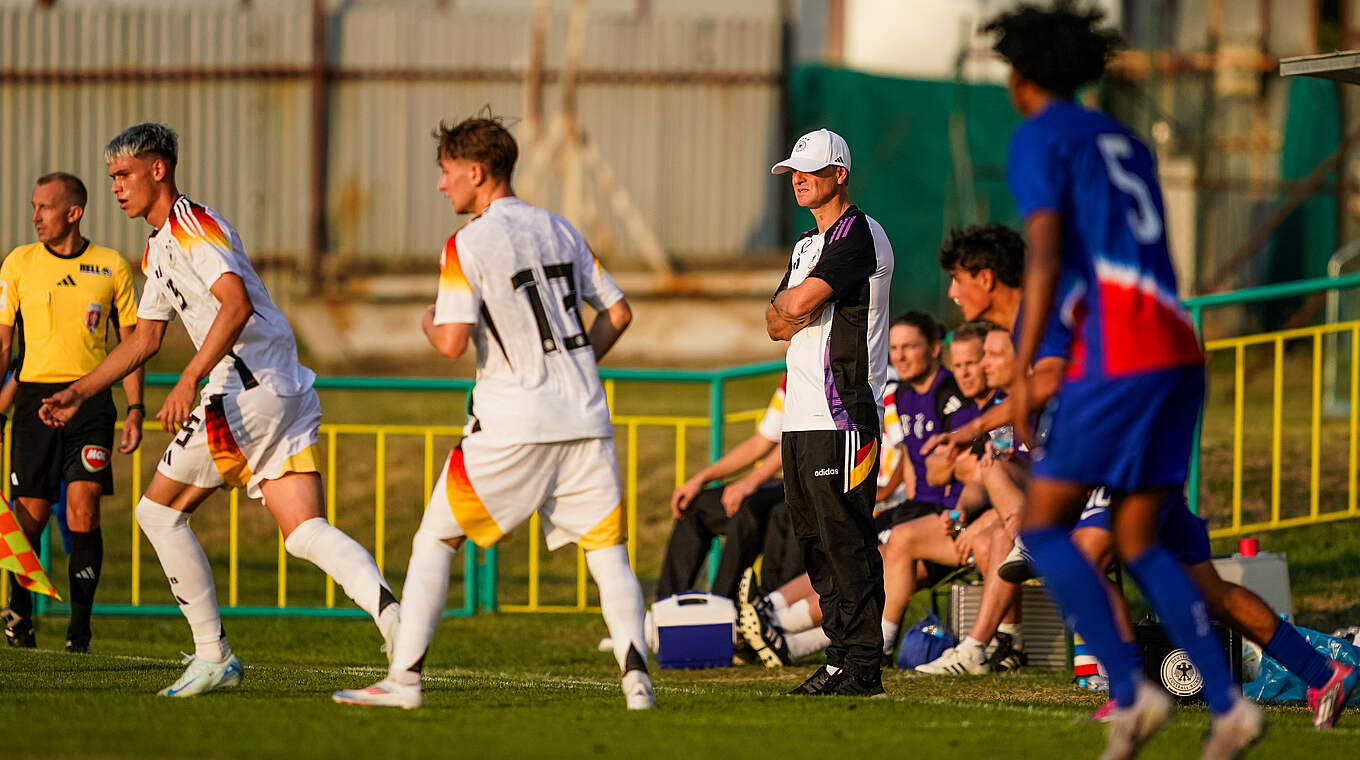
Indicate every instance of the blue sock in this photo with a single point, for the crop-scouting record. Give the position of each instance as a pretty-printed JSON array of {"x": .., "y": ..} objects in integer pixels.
[
  {"x": 1085, "y": 605},
  {"x": 1134, "y": 656},
  {"x": 1185, "y": 618},
  {"x": 1289, "y": 648}
]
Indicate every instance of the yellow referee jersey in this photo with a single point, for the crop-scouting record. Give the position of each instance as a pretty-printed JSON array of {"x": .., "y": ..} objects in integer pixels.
[{"x": 65, "y": 303}]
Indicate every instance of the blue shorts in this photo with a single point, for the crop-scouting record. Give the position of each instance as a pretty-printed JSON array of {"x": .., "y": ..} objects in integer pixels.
[
  {"x": 1183, "y": 534},
  {"x": 1129, "y": 434}
]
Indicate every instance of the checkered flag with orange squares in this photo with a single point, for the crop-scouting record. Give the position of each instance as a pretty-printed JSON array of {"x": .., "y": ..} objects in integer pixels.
[{"x": 18, "y": 557}]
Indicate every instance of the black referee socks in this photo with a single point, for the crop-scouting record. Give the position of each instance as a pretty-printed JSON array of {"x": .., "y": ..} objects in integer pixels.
[{"x": 86, "y": 563}]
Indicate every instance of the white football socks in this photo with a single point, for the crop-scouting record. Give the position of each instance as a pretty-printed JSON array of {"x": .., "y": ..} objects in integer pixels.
[
  {"x": 422, "y": 601},
  {"x": 620, "y": 603},
  {"x": 190, "y": 575},
  {"x": 974, "y": 650},
  {"x": 889, "y": 635},
  {"x": 805, "y": 643},
  {"x": 350, "y": 564},
  {"x": 794, "y": 617}
]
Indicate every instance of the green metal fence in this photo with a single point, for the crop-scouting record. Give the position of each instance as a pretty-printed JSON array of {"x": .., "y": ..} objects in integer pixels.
[{"x": 480, "y": 587}]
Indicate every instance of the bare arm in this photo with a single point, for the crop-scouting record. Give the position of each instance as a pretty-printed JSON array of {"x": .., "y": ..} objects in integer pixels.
[
  {"x": 908, "y": 474},
  {"x": 233, "y": 313},
  {"x": 133, "y": 384},
  {"x": 7, "y": 392},
  {"x": 6, "y": 346},
  {"x": 740, "y": 457},
  {"x": 894, "y": 480},
  {"x": 939, "y": 468},
  {"x": 796, "y": 308},
  {"x": 450, "y": 339},
  {"x": 1042, "y": 269},
  {"x": 739, "y": 491},
  {"x": 127, "y": 356},
  {"x": 608, "y": 326}
]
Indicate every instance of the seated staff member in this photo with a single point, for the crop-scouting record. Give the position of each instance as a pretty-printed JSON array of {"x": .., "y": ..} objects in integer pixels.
[
  {"x": 926, "y": 395},
  {"x": 738, "y": 511},
  {"x": 965, "y": 361}
]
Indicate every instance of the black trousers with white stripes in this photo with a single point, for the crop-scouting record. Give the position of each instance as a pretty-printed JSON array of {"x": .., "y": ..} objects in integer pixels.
[{"x": 830, "y": 479}]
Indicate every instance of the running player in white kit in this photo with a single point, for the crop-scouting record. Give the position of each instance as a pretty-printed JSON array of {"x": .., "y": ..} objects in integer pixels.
[
  {"x": 255, "y": 426},
  {"x": 539, "y": 437}
]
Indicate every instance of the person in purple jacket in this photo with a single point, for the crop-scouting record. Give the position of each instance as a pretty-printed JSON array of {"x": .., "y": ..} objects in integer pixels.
[{"x": 926, "y": 395}]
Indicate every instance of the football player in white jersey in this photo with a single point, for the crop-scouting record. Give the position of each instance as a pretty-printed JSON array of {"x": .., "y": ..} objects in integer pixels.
[
  {"x": 255, "y": 425},
  {"x": 512, "y": 281}
]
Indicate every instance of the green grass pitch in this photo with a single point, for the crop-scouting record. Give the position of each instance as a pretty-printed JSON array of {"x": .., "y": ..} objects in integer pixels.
[{"x": 534, "y": 686}]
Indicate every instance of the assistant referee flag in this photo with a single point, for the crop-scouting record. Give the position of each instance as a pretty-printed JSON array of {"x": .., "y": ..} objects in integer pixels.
[{"x": 18, "y": 557}]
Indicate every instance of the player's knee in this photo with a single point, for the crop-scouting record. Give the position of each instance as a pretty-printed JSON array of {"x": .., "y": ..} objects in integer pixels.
[
  {"x": 153, "y": 517},
  {"x": 428, "y": 540},
  {"x": 299, "y": 542}
]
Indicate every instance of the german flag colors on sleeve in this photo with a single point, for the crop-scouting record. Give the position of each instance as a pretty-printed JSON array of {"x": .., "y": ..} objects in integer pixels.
[{"x": 457, "y": 302}]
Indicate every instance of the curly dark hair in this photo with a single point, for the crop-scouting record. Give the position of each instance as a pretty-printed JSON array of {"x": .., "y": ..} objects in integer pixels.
[
  {"x": 1059, "y": 49},
  {"x": 986, "y": 246},
  {"x": 932, "y": 330}
]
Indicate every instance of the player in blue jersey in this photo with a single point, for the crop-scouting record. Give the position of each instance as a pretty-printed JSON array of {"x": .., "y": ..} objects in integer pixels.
[{"x": 1087, "y": 190}]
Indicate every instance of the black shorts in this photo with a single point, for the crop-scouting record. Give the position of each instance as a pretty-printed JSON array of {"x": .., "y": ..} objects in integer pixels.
[
  {"x": 45, "y": 457},
  {"x": 912, "y": 509}
]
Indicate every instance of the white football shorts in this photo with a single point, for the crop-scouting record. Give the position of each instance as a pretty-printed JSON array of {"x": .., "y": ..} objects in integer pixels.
[
  {"x": 243, "y": 438},
  {"x": 487, "y": 490}
]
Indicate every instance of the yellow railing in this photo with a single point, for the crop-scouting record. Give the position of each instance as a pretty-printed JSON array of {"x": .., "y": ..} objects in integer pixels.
[
  {"x": 1276, "y": 340},
  {"x": 329, "y": 436},
  {"x": 627, "y": 427}
]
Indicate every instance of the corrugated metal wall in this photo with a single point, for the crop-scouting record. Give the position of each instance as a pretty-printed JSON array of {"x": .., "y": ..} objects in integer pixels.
[{"x": 693, "y": 151}]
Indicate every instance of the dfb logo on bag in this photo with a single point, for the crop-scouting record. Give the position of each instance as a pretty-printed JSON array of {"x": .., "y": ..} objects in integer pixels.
[
  {"x": 92, "y": 316},
  {"x": 94, "y": 458},
  {"x": 1179, "y": 674}
]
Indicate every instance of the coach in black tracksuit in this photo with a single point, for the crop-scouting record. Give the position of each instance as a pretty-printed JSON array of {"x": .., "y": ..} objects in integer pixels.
[{"x": 832, "y": 308}]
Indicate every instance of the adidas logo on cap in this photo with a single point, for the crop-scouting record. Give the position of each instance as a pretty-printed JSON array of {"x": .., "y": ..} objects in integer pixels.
[{"x": 814, "y": 151}]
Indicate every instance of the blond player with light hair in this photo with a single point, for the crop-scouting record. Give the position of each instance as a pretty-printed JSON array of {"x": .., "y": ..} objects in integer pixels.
[{"x": 253, "y": 426}]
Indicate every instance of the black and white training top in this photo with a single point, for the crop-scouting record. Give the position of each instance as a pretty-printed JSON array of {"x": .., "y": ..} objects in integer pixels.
[{"x": 839, "y": 363}]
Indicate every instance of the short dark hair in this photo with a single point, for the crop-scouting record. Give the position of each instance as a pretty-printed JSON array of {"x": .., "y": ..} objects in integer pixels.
[
  {"x": 986, "y": 246},
  {"x": 926, "y": 324},
  {"x": 481, "y": 139},
  {"x": 1058, "y": 49},
  {"x": 75, "y": 189},
  {"x": 975, "y": 330}
]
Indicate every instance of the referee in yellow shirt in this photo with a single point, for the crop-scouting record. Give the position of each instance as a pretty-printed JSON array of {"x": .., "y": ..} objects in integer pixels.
[{"x": 64, "y": 293}]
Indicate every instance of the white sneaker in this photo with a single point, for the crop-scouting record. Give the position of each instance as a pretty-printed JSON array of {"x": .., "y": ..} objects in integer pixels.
[
  {"x": 637, "y": 690},
  {"x": 1231, "y": 733},
  {"x": 1130, "y": 727},
  {"x": 203, "y": 676},
  {"x": 958, "y": 660},
  {"x": 385, "y": 693}
]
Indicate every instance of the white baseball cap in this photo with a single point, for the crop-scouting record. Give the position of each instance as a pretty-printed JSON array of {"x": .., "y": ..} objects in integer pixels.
[{"x": 815, "y": 151}]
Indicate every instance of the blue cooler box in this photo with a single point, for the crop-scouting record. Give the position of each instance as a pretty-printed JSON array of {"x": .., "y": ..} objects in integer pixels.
[{"x": 694, "y": 630}]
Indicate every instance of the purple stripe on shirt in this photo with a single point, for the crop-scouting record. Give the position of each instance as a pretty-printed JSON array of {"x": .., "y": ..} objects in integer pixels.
[
  {"x": 834, "y": 404},
  {"x": 841, "y": 230}
]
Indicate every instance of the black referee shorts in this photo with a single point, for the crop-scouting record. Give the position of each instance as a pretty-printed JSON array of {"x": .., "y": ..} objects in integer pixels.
[{"x": 45, "y": 457}]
